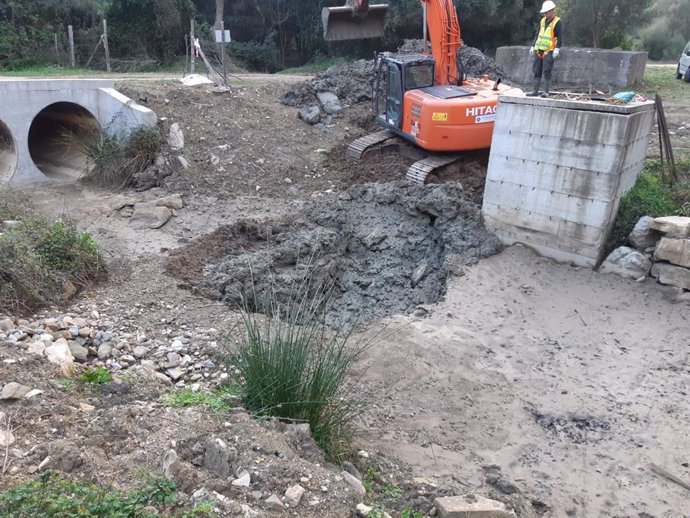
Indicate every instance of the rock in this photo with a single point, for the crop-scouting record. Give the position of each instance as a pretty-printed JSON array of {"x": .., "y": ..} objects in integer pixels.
[
  {"x": 174, "y": 201},
  {"x": 6, "y": 325},
  {"x": 351, "y": 469},
  {"x": 274, "y": 503},
  {"x": 627, "y": 262},
  {"x": 310, "y": 115},
  {"x": 59, "y": 353},
  {"x": 244, "y": 480},
  {"x": 471, "y": 506},
  {"x": 80, "y": 353},
  {"x": 672, "y": 226},
  {"x": 354, "y": 483},
  {"x": 169, "y": 465},
  {"x": 85, "y": 407},
  {"x": 175, "y": 373},
  {"x": 104, "y": 351},
  {"x": 676, "y": 251},
  {"x": 6, "y": 438},
  {"x": 148, "y": 216},
  {"x": 14, "y": 390},
  {"x": 329, "y": 102},
  {"x": 495, "y": 478},
  {"x": 182, "y": 163},
  {"x": 219, "y": 457},
  {"x": 140, "y": 351},
  {"x": 673, "y": 275},
  {"x": 176, "y": 137},
  {"x": 294, "y": 494},
  {"x": 33, "y": 393},
  {"x": 37, "y": 348},
  {"x": 173, "y": 360},
  {"x": 363, "y": 510},
  {"x": 643, "y": 236}
]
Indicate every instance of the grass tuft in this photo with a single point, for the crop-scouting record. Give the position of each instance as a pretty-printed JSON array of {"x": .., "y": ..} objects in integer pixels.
[
  {"x": 294, "y": 366},
  {"x": 96, "y": 376}
]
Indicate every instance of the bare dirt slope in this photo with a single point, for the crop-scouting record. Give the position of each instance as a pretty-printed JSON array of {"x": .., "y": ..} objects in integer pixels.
[{"x": 543, "y": 385}]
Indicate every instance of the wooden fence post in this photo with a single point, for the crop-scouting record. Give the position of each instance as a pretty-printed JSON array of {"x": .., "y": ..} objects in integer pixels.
[
  {"x": 70, "y": 34},
  {"x": 193, "y": 48},
  {"x": 105, "y": 46}
]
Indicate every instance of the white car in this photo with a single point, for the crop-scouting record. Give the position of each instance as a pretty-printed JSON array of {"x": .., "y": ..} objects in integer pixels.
[{"x": 683, "y": 70}]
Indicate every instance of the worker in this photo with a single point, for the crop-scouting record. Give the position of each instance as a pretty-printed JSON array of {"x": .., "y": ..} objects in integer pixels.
[{"x": 546, "y": 47}]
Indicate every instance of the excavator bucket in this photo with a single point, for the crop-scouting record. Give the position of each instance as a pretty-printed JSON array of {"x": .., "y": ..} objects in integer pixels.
[{"x": 341, "y": 23}]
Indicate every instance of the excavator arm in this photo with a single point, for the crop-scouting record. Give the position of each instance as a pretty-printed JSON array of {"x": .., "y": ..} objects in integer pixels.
[
  {"x": 441, "y": 20},
  {"x": 356, "y": 20}
]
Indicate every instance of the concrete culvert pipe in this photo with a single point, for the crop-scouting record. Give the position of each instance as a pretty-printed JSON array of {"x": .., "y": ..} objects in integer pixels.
[
  {"x": 61, "y": 139},
  {"x": 8, "y": 153}
]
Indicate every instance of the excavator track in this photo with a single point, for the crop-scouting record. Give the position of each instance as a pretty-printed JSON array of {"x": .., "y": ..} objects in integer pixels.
[
  {"x": 357, "y": 149},
  {"x": 419, "y": 171}
]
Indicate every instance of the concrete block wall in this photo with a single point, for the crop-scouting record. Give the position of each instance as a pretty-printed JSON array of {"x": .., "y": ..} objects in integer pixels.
[
  {"x": 579, "y": 68},
  {"x": 21, "y": 100},
  {"x": 558, "y": 169}
]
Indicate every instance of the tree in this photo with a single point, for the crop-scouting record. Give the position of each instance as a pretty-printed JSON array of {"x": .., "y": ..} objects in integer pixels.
[
  {"x": 589, "y": 23},
  {"x": 220, "y": 10}
]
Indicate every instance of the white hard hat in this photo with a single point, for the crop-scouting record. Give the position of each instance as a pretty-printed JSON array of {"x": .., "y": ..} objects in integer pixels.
[{"x": 548, "y": 6}]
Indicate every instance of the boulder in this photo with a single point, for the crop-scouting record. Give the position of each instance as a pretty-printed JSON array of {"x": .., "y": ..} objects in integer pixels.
[
  {"x": 294, "y": 494},
  {"x": 643, "y": 236},
  {"x": 219, "y": 457},
  {"x": 672, "y": 226},
  {"x": 149, "y": 216},
  {"x": 627, "y": 262},
  {"x": 471, "y": 506},
  {"x": 671, "y": 274},
  {"x": 14, "y": 390},
  {"x": 354, "y": 483},
  {"x": 310, "y": 115},
  {"x": 175, "y": 137},
  {"x": 59, "y": 353},
  {"x": 329, "y": 102},
  {"x": 676, "y": 251},
  {"x": 174, "y": 201}
]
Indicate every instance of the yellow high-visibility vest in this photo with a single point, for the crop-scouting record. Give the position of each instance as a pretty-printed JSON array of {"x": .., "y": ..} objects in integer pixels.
[{"x": 546, "y": 41}]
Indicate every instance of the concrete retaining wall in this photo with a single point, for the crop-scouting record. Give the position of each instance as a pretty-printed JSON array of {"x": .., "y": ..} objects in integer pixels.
[
  {"x": 581, "y": 68},
  {"x": 558, "y": 169},
  {"x": 22, "y": 100}
]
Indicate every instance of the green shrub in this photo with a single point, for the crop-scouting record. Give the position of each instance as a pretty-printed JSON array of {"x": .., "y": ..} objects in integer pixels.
[
  {"x": 96, "y": 376},
  {"x": 260, "y": 57},
  {"x": 220, "y": 400},
  {"x": 39, "y": 259},
  {"x": 649, "y": 197},
  {"x": 53, "y": 496},
  {"x": 294, "y": 366},
  {"x": 113, "y": 161}
]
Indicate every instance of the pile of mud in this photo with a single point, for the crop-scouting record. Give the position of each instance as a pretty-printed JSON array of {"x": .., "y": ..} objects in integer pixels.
[
  {"x": 352, "y": 82},
  {"x": 384, "y": 248}
]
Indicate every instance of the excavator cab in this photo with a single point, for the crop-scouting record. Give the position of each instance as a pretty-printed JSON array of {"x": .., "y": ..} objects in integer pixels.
[
  {"x": 355, "y": 20},
  {"x": 395, "y": 75}
]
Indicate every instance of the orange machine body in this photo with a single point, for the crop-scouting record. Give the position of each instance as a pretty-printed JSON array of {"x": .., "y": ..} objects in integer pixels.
[{"x": 451, "y": 124}]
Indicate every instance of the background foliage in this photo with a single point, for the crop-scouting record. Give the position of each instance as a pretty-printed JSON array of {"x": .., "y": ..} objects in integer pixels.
[{"x": 270, "y": 35}]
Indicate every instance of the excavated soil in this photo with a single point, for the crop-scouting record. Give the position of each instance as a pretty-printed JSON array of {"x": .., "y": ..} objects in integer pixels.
[{"x": 385, "y": 249}]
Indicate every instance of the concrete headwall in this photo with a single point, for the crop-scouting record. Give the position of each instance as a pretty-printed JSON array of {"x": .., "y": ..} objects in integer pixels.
[
  {"x": 578, "y": 67},
  {"x": 21, "y": 101},
  {"x": 557, "y": 172}
]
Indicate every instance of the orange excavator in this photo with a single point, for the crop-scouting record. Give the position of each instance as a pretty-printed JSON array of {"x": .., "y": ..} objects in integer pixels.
[{"x": 424, "y": 100}]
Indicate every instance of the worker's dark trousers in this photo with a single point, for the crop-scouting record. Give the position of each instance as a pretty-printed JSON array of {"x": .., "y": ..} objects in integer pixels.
[{"x": 543, "y": 67}]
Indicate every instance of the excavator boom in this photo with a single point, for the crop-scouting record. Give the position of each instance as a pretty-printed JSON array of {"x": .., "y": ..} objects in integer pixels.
[{"x": 356, "y": 20}]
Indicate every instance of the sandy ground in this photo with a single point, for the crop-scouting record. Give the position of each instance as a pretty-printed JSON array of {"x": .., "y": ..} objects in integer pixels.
[{"x": 571, "y": 381}]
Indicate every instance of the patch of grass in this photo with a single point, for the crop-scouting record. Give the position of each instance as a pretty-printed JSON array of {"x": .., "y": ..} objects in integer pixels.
[
  {"x": 408, "y": 512},
  {"x": 96, "y": 376},
  {"x": 65, "y": 384},
  {"x": 42, "y": 262},
  {"x": 316, "y": 65},
  {"x": 50, "y": 70},
  {"x": 662, "y": 81},
  {"x": 218, "y": 401},
  {"x": 51, "y": 495},
  {"x": 14, "y": 204},
  {"x": 392, "y": 491},
  {"x": 112, "y": 161},
  {"x": 294, "y": 366}
]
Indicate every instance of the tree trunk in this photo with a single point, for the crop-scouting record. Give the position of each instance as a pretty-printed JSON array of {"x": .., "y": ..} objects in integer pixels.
[{"x": 220, "y": 8}]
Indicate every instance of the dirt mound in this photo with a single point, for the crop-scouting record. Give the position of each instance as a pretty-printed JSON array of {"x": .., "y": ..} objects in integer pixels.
[
  {"x": 475, "y": 62},
  {"x": 350, "y": 82},
  {"x": 386, "y": 248}
]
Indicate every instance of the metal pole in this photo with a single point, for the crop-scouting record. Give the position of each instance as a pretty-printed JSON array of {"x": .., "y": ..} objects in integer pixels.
[
  {"x": 105, "y": 46},
  {"x": 425, "y": 29},
  {"x": 193, "y": 47},
  {"x": 70, "y": 34}
]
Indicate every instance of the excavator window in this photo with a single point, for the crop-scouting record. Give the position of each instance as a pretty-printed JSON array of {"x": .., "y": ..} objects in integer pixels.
[
  {"x": 419, "y": 76},
  {"x": 395, "y": 94}
]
